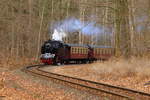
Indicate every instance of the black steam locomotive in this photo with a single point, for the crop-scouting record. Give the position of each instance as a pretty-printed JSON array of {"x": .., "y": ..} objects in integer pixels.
[{"x": 57, "y": 52}]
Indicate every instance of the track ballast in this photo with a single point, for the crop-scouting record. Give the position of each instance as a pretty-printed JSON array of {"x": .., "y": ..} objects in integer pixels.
[{"x": 105, "y": 90}]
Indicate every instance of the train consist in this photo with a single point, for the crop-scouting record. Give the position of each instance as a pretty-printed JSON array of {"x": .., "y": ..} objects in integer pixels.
[{"x": 57, "y": 52}]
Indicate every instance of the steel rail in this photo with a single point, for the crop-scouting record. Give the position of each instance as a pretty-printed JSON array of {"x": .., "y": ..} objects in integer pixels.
[
  {"x": 98, "y": 83},
  {"x": 30, "y": 69},
  {"x": 116, "y": 93},
  {"x": 86, "y": 86}
]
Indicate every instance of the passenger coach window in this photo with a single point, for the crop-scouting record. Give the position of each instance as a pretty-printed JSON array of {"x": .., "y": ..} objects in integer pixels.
[
  {"x": 100, "y": 51},
  {"x": 72, "y": 50},
  {"x": 76, "y": 50},
  {"x": 83, "y": 51},
  {"x": 104, "y": 51}
]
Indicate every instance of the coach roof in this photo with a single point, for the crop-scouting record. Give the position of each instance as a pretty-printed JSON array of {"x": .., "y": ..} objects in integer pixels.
[
  {"x": 96, "y": 46},
  {"x": 87, "y": 46},
  {"x": 77, "y": 45}
]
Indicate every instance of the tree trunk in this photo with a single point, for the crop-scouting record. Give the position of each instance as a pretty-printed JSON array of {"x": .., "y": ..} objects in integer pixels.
[
  {"x": 39, "y": 34},
  {"x": 132, "y": 24},
  {"x": 123, "y": 41}
]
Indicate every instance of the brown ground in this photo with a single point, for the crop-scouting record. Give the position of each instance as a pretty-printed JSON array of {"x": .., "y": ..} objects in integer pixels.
[
  {"x": 133, "y": 73},
  {"x": 17, "y": 85}
]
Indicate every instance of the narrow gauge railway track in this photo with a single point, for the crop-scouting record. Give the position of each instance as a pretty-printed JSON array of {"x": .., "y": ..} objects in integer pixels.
[{"x": 102, "y": 89}]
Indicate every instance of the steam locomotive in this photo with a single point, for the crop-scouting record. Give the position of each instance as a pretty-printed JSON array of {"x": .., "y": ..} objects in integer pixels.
[{"x": 57, "y": 52}]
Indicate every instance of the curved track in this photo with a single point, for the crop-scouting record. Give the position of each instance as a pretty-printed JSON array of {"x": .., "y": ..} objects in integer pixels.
[{"x": 101, "y": 89}]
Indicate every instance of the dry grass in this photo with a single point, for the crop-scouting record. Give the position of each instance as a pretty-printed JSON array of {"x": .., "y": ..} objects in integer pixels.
[
  {"x": 116, "y": 67},
  {"x": 14, "y": 63},
  {"x": 125, "y": 68}
]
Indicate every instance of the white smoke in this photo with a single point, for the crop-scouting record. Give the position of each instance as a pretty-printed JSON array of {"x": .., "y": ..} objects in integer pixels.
[
  {"x": 71, "y": 25},
  {"x": 58, "y": 34}
]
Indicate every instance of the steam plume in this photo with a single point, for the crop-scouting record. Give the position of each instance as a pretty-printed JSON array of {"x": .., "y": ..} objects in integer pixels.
[
  {"x": 62, "y": 28},
  {"x": 58, "y": 34}
]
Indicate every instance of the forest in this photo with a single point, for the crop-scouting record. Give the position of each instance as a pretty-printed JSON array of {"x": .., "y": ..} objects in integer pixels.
[{"x": 122, "y": 24}]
